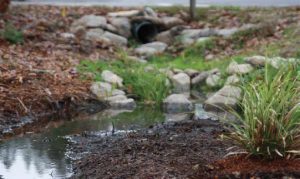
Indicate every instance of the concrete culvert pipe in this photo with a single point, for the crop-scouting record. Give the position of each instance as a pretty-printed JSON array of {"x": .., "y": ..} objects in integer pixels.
[{"x": 144, "y": 31}]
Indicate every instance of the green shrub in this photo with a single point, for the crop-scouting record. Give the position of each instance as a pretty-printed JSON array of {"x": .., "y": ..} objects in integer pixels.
[
  {"x": 11, "y": 34},
  {"x": 269, "y": 124}
]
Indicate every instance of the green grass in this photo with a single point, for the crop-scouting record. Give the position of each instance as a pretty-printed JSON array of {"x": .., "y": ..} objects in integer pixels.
[
  {"x": 269, "y": 124},
  {"x": 11, "y": 34},
  {"x": 150, "y": 87},
  {"x": 192, "y": 58},
  {"x": 147, "y": 86}
]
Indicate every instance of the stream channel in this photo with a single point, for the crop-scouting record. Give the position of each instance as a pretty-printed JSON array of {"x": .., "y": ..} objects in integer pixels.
[{"x": 44, "y": 154}]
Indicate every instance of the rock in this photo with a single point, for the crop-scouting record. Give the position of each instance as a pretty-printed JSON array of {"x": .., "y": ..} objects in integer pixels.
[
  {"x": 258, "y": 61},
  {"x": 149, "y": 68},
  {"x": 123, "y": 104},
  {"x": 122, "y": 25},
  {"x": 146, "y": 51},
  {"x": 101, "y": 89},
  {"x": 198, "y": 96},
  {"x": 197, "y": 33},
  {"x": 148, "y": 11},
  {"x": 213, "y": 80},
  {"x": 130, "y": 13},
  {"x": 90, "y": 21},
  {"x": 233, "y": 79},
  {"x": 169, "y": 36},
  {"x": 136, "y": 59},
  {"x": 116, "y": 98},
  {"x": 177, "y": 103},
  {"x": 226, "y": 98},
  {"x": 202, "y": 39},
  {"x": 67, "y": 35},
  {"x": 176, "y": 70},
  {"x": 187, "y": 41},
  {"x": 165, "y": 37},
  {"x": 209, "y": 57},
  {"x": 191, "y": 72},
  {"x": 95, "y": 35},
  {"x": 116, "y": 92},
  {"x": 112, "y": 78},
  {"x": 181, "y": 83},
  {"x": 111, "y": 28},
  {"x": 230, "y": 31},
  {"x": 235, "y": 68},
  {"x": 277, "y": 62},
  {"x": 115, "y": 39},
  {"x": 167, "y": 72},
  {"x": 200, "y": 113},
  {"x": 189, "y": 36},
  {"x": 151, "y": 49},
  {"x": 170, "y": 22},
  {"x": 177, "y": 117},
  {"x": 78, "y": 31},
  {"x": 159, "y": 46},
  {"x": 227, "y": 32},
  {"x": 200, "y": 78},
  {"x": 215, "y": 71}
]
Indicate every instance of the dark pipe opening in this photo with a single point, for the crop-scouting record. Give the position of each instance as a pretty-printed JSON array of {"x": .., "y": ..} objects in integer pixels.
[{"x": 144, "y": 31}]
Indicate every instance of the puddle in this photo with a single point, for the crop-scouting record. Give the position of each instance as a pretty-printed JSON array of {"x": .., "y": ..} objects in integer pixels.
[{"x": 43, "y": 155}]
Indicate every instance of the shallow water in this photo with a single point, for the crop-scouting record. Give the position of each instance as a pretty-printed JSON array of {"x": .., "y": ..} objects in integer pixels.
[{"x": 44, "y": 155}]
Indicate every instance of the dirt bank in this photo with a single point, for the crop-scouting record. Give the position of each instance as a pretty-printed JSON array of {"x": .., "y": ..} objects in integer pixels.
[
  {"x": 178, "y": 150},
  {"x": 189, "y": 149}
]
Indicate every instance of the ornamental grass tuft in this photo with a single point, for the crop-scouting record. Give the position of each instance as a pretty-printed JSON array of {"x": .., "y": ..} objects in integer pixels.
[{"x": 268, "y": 125}]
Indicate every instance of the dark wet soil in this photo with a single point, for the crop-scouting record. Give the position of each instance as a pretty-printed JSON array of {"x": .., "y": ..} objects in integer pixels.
[
  {"x": 189, "y": 149},
  {"x": 180, "y": 150}
]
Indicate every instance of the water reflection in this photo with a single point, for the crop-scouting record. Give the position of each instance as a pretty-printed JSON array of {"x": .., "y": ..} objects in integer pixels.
[{"x": 42, "y": 156}]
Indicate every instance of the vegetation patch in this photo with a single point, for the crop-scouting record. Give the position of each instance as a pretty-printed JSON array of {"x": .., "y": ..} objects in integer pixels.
[
  {"x": 269, "y": 124},
  {"x": 149, "y": 86},
  {"x": 11, "y": 34}
]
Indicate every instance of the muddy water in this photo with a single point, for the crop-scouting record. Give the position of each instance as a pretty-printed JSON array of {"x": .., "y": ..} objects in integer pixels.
[{"x": 44, "y": 155}]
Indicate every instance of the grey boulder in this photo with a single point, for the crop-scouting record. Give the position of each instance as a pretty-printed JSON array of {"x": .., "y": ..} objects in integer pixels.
[
  {"x": 150, "y": 49},
  {"x": 181, "y": 83},
  {"x": 122, "y": 25},
  {"x": 128, "y": 103},
  {"x": 101, "y": 89},
  {"x": 235, "y": 68},
  {"x": 112, "y": 78},
  {"x": 177, "y": 103},
  {"x": 90, "y": 21},
  {"x": 226, "y": 98}
]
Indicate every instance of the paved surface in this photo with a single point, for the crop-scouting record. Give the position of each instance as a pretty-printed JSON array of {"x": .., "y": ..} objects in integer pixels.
[{"x": 165, "y": 2}]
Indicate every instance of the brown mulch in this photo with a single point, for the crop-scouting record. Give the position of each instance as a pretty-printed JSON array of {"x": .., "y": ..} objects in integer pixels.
[
  {"x": 246, "y": 167},
  {"x": 39, "y": 75}
]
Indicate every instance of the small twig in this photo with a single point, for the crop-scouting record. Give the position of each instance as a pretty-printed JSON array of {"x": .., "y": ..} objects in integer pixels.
[
  {"x": 5, "y": 69},
  {"x": 25, "y": 108}
]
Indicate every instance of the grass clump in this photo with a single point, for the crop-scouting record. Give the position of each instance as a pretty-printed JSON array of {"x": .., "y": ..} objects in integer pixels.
[
  {"x": 269, "y": 124},
  {"x": 149, "y": 87},
  {"x": 11, "y": 34}
]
